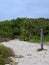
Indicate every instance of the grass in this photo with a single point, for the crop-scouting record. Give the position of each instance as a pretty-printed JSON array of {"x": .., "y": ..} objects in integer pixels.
[
  {"x": 5, "y": 53},
  {"x": 46, "y": 38},
  {"x": 30, "y": 39},
  {"x": 35, "y": 39}
]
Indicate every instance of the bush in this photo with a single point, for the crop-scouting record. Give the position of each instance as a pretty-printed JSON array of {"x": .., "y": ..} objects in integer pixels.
[
  {"x": 5, "y": 53},
  {"x": 25, "y": 28}
]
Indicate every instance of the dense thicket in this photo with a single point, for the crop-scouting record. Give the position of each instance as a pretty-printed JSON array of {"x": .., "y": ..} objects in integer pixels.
[{"x": 25, "y": 28}]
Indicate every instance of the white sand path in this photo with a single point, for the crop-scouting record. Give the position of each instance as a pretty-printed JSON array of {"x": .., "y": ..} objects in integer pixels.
[{"x": 29, "y": 52}]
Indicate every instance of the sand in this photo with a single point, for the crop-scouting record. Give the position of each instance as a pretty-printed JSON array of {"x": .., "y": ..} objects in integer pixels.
[{"x": 29, "y": 52}]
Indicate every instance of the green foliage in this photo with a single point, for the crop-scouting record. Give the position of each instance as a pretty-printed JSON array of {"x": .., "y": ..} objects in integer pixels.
[
  {"x": 34, "y": 39},
  {"x": 25, "y": 28},
  {"x": 5, "y": 53},
  {"x": 46, "y": 38}
]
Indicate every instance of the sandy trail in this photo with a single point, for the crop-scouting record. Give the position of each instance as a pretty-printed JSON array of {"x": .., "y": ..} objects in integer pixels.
[{"x": 29, "y": 52}]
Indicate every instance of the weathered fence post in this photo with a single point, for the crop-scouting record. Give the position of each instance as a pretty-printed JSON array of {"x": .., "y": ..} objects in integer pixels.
[{"x": 41, "y": 38}]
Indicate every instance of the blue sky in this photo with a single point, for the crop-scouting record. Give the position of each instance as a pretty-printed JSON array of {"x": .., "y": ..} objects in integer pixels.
[{"x": 10, "y": 9}]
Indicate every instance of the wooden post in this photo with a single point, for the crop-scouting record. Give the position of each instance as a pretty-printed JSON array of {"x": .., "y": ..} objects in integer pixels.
[{"x": 41, "y": 38}]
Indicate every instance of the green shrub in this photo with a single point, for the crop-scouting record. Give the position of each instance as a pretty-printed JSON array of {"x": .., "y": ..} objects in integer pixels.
[
  {"x": 5, "y": 53},
  {"x": 25, "y": 28}
]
